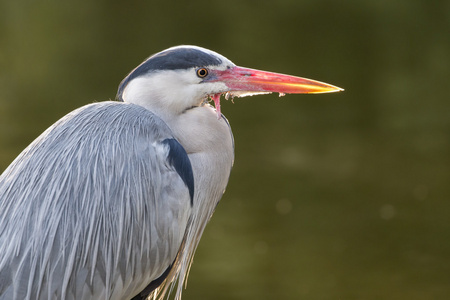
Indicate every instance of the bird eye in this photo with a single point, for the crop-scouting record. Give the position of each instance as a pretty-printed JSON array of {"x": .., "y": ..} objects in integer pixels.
[{"x": 202, "y": 72}]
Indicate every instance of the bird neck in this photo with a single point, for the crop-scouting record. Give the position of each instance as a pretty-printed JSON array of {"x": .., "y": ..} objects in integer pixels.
[{"x": 209, "y": 144}]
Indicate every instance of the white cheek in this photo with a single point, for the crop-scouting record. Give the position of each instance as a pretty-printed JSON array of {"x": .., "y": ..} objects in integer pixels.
[
  {"x": 213, "y": 88},
  {"x": 170, "y": 91}
]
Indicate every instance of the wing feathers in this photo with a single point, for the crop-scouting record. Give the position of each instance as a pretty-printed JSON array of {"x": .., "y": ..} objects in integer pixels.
[{"x": 92, "y": 209}]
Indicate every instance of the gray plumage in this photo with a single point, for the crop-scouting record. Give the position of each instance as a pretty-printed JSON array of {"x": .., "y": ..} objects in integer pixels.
[
  {"x": 106, "y": 214},
  {"x": 94, "y": 209},
  {"x": 111, "y": 201}
]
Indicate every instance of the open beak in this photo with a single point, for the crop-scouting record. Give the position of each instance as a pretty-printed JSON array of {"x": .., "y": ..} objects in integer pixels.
[{"x": 243, "y": 82}]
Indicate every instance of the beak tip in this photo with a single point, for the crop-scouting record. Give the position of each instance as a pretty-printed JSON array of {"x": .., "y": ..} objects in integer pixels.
[
  {"x": 331, "y": 89},
  {"x": 335, "y": 89}
]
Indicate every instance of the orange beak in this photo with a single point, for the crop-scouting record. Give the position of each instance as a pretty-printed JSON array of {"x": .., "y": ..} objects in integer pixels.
[
  {"x": 252, "y": 81},
  {"x": 243, "y": 82}
]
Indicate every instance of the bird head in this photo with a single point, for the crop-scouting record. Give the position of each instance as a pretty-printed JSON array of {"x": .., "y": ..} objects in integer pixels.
[{"x": 179, "y": 78}]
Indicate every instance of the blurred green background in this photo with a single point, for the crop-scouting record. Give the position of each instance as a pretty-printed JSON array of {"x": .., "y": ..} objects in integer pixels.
[{"x": 338, "y": 196}]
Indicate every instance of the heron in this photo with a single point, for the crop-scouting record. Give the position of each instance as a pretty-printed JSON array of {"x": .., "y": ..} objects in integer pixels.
[{"x": 111, "y": 201}]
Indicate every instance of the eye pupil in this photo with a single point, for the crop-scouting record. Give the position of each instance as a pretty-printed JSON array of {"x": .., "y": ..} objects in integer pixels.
[{"x": 202, "y": 72}]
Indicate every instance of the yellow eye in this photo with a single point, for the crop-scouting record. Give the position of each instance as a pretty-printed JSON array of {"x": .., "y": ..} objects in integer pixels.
[{"x": 202, "y": 72}]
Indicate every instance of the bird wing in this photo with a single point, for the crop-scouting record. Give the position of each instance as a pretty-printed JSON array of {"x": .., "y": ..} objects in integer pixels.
[{"x": 95, "y": 208}]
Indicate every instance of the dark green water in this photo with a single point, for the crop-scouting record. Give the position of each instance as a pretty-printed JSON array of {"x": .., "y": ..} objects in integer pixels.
[{"x": 338, "y": 196}]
